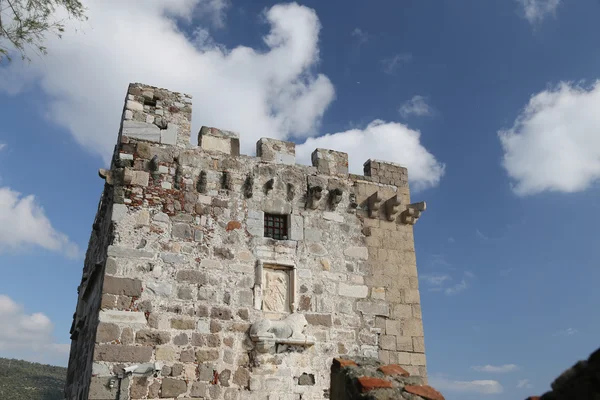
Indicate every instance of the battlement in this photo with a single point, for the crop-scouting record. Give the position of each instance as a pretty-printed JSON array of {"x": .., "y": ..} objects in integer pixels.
[
  {"x": 162, "y": 117},
  {"x": 214, "y": 274}
]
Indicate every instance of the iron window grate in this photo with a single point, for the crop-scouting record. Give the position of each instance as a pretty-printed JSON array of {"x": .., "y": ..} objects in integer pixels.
[{"x": 276, "y": 226}]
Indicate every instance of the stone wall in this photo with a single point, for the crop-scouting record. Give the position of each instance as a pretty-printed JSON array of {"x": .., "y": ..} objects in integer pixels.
[
  {"x": 360, "y": 378},
  {"x": 192, "y": 288},
  {"x": 582, "y": 381}
]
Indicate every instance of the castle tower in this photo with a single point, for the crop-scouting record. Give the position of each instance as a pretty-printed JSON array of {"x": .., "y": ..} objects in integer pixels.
[{"x": 211, "y": 274}]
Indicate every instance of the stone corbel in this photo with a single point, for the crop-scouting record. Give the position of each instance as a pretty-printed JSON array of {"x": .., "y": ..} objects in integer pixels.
[
  {"x": 413, "y": 212},
  {"x": 392, "y": 206},
  {"x": 373, "y": 204},
  {"x": 315, "y": 191},
  {"x": 267, "y": 334},
  {"x": 335, "y": 196},
  {"x": 201, "y": 183},
  {"x": 248, "y": 186}
]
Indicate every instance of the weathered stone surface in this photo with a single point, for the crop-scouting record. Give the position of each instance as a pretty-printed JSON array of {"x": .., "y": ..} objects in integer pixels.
[
  {"x": 356, "y": 291},
  {"x": 107, "y": 332},
  {"x": 131, "y": 318},
  {"x": 172, "y": 388},
  {"x": 121, "y": 353},
  {"x": 141, "y": 130},
  {"x": 162, "y": 289},
  {"x": 372, "y": 308},
  {"x": 204, "y": 355},
  {"x": 139, "y": 387},
  {"x": 192, "y": 276},
  {"x": 152, "y": 338},
  {"x": 122, "y": 286},
  {"x": 319, "y": 319},
  {"x": 183, "y": 323},
  {"x": 241, "y": 377}
]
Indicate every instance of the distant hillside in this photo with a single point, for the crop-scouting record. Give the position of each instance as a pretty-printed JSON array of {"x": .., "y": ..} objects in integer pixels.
[{"x": 22, "y": 380}]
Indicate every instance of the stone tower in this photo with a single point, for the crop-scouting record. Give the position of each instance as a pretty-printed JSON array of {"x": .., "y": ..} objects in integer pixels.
[{"x": 211, "y": 274}]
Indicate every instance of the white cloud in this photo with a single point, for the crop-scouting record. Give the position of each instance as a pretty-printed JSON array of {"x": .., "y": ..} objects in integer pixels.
[
  {"x": 361, "y": 36},
  {"x": 499, "y": 369},
  {"x": 481, "y": 235},
  {"x": 567, "y": 332},
  {"x": 28, "y": 336},
  {"x": 390, "y": 65},
  {"x": 477, "y": 386},
  {"x": 416, "y": 106},
  {"x": 23, "y": 223},
  {"x": 259, "y": 93},
  {"x": 524, "y": 384},
  {"x": 536, "y": 11},
  {"x": 457, "y": 288},
  {"x": 388, "y": 141},
  {"x": 270, "y": 93},
  {"x": 554, "y": 144},
  {"x": 2, "y": 146},
  {"x": 435, "y": 279}
]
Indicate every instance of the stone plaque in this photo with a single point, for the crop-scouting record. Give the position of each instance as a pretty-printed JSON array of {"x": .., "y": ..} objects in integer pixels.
[{"x": 276, "y": 289}]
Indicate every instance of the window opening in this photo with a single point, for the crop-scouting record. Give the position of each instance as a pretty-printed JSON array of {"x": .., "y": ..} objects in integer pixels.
[{"x": 276, "y": 226}]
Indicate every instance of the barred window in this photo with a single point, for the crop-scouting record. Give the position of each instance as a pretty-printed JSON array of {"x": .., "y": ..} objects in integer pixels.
[{"x": 276, "y": 226}]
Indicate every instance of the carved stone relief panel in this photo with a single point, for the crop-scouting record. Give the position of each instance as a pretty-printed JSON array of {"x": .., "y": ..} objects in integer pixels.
[{"x": 276, "y": 289}]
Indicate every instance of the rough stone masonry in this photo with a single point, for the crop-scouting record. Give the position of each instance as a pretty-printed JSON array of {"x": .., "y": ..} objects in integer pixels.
[{"x": 216, "y": 275}]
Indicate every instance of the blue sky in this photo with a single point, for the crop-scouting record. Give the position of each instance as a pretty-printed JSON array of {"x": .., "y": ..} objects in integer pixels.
[{"x": 492, "y": 105}]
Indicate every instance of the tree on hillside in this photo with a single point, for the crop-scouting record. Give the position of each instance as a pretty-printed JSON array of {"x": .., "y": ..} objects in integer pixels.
[{"x": 25, "y": 23}]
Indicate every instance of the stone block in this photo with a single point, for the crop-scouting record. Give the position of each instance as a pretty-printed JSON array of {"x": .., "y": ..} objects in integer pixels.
[
  {"x": 418, "y": 344},
  {"x": 107, "y": 332},
  {"x": 127, "y": 252},
  {"x": 161, "y": 289},
  {"x": 152, "y": 338},
  {"x": 169, "y": 135},
  {"x": 312, "y": 234},
  {"x": 213, "y": 139},
  {"x": 121, "y": 353},
  {"x": 101, "y": 388},
  {"x": 276, "y": 151},
  {"x": 129, "y": 318},
  {"x": 388, "y": 342},
  {"x": 182, "y": 231},
  {"x": 119, "y": 211},
  {"x": 122, "y": 286},
  {"x": 206, "y": 355},
  {"x": 139, "y": 387},
  {"x": 241, "y": 377},
  {"x": 356, "y": 291},
  {"x": 417, "y": 359},
  {"x": 412, "y": 327},
  {"x": 141, "y": 130},
  {"x": 172, "y": 387},
  {"x": 393, "y": 327},
  {"x": 404, "y": 343},
  {"x": 296, "y": 230},
  {"x": 166, "y": 353},
  {"x": 333, "y": 216},
  {"x": 330, "y": 162},
  {"x": 183, "y": 324},
  {"x": 199, "y": 389},
  {"x": 373, "y": 308},
  {"x": 361, "y": 253},
  {"x": 192, "y": 276}
]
